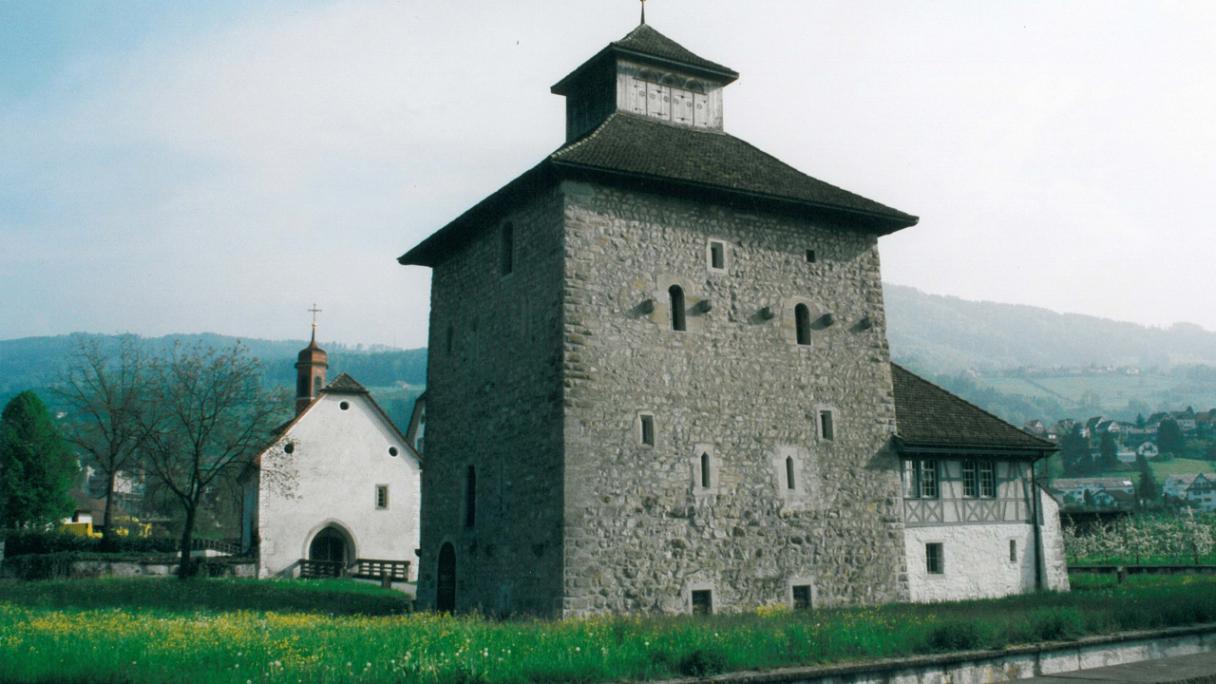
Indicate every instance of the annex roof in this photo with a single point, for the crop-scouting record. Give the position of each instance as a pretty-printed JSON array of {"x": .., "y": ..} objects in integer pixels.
[
  {"x": 633, "y": 148},
  {"x": 929, "y": 418}
]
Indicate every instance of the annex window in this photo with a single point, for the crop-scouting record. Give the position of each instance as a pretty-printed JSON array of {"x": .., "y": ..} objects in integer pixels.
[
  {"x": 646, "y": 429},
  {"x": 717, "y": 255},
  {"x": 789, "y": 473},
  {"x": 506, "y": 256},
  {"x": 676, "y": 293},
  {"x": 802, "y": 596},
  {"x": 470, "y": 497},
  {"x": 987, "y": 479},
  {"x": 381, "y": 496},
  {"x": 935, "y": 560},
  {"x": 802, "y": 324},
  {"x": 971, "y": 482},
  {"x": 1013, "y": 550},
  {"x": 827, "y": 427},
  {"x": 920, "y": 479},
  {"x": 810, "y": 256},
  {"x": 702, "y": 602},
  {"x": 705, "y": 470}
]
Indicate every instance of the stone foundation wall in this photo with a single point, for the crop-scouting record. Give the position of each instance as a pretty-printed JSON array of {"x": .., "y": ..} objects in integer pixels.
[{"x": 641, "y": 532}]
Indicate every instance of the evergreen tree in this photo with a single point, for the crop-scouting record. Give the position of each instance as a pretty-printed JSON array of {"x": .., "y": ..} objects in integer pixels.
[
  {"x": 1148, "y": 491},
  {"x": 1169, "y": 437},
  {"x": 1074, "y": 452},
  {"x": 36, "y": 467},
  {"x": 1110, "y": 451}
]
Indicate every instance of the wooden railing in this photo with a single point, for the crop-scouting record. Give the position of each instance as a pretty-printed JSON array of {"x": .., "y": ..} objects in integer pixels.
[
  {"x": 371, "y": 568},
  {"x": 230, "y": 548},
  {"x": 312, "y": 569}
]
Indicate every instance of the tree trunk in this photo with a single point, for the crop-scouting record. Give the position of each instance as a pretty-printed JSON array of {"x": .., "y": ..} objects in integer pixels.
[
  {"x": 108, "y": 519},
  {"x": 185, "y": 569}
]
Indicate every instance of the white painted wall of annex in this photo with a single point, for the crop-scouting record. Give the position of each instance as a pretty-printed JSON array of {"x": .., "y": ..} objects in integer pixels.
[
  {"x": 976, "y": 564},
  {"x": 338, "y": 459}
]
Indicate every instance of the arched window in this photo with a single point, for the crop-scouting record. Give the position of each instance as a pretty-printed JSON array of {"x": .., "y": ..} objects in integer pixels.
[
  {"x": 789, "y": 472},
  {"x": 470, "y": 497},
  {"x": 705, "y": 479},
  {"x": 677, "y": 307},
  {"x": 802, "y": 323}
]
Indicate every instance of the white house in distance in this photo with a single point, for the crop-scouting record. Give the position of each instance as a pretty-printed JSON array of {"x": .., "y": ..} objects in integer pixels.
[{"x": 339, "y": 485}]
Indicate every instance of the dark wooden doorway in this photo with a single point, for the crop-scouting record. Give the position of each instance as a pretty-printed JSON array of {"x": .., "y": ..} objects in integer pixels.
[
  {"x": 328, "y": 545},
  {"x": 445, "y": 586}
]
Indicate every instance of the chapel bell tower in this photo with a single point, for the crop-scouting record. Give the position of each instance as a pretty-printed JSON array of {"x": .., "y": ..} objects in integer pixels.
[{"x": 310, "y": 368}]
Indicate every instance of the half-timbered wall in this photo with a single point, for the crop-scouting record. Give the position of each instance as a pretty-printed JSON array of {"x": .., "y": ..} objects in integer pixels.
[{"x": 952, "y": 506}]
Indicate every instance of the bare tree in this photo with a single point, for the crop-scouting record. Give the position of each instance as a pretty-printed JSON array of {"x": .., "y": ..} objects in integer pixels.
[
  {"x": 206, "y": 416},
  {"x": 103, "y": 391}
]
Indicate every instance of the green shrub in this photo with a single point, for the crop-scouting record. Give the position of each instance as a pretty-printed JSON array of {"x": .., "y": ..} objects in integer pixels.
[
  {"x": 955, "y": 635},
  {"x": 702, "y": 663},
  {"x": 23, "y": 542}
]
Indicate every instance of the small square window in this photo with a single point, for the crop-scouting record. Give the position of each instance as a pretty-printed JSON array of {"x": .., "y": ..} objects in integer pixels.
[
  {"x": 810, "y": 256},
  {"x": 702, "y": 602},
  {"x": 717, "y": 255},
  {"x": 935, "y": 561},
  {"x": 802, "y": 596},
  {"x": 826, "y": 429},
  {"x": 381, "y": 496},
  {"x": 647, "y": 429}
]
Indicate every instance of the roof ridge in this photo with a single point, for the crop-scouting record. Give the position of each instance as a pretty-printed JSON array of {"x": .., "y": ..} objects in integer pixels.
[{"x": 959, "y": 400}]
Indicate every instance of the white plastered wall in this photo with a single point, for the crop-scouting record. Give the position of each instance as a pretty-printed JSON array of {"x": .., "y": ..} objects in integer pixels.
[
  {"x": 338, "y": 458},
  {"x": 1055, "y": 565},
  {"x": 977, "y": 563}
]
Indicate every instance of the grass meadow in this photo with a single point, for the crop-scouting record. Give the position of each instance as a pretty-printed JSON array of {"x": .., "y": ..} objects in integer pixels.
[{"x": 157, "y": 630}]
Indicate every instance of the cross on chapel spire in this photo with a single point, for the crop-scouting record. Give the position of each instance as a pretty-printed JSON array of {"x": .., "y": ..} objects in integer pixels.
[{"x": 314, "y": 310}]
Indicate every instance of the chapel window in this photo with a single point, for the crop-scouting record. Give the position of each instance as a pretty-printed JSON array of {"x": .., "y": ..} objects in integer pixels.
[{"x": 381, "y": 497}]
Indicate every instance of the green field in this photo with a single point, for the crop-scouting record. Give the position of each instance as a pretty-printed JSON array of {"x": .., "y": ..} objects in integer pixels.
[{"x": 131, "y": 630}]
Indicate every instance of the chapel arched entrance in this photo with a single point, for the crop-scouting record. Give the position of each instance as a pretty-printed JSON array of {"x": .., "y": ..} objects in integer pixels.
[{"x": 330, "y": 544}]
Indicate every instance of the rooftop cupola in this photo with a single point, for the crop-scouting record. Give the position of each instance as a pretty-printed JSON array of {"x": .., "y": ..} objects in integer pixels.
[
  {"x": 311, "y": 363},
  {"x": 649, "y": 74}
]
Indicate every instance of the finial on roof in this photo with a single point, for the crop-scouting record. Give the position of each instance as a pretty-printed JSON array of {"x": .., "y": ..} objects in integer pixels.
[
  {"x": 314, "y": 311},
  {"x": 643, "y": 11}
]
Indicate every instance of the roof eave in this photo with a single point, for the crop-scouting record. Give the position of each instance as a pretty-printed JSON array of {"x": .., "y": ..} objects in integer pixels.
[
  {"x": 886, "y": 223},
  {"x": 1033, "y": 453}
]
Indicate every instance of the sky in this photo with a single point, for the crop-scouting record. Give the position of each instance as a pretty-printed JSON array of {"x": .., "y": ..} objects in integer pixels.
[{"x": 221, "y": 166}]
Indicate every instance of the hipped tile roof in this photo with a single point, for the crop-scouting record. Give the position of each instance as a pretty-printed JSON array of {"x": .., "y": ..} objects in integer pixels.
[{"x": 928, "y": 416}]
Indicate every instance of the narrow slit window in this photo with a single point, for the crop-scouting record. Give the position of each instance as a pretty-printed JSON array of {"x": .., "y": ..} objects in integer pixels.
[
  {"x": 802, "y": 324},
  {"x": 935, "y": 561},
  {"x": 1013, "y": 550},
  {"x": 789, "y": 472},
  {"x": 717, "y": 255},
  {"x": 381, "y": 496},
  {"x": 702, "y": 602},
  {"x": 677, "y": 307},
  {"x": 647, "y": 428},
  {"x": 470, "y": 497},
  {"x": 507, "y": 248},
  {"x": 705, "y": 473},
  {"x": 827, "y": 430},
  {"x": 802, "y": 596}
]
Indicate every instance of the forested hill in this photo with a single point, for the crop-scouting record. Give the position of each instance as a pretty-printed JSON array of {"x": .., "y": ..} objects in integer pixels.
[
  {"x": 394, "y": 375},
  {"x": 948, "y": 335},
  {"x": 998, "y": 356}
]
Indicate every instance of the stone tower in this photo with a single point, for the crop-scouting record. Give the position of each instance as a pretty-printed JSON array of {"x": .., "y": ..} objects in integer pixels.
[
  {"x": 311, "y": 363},
  {"x": 659, "y": 378}
]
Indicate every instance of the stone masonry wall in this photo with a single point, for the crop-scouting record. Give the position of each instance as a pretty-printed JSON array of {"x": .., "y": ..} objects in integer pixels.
[
  {"x": 641, "y": 532},
  {"x": 494, "y": 402}
]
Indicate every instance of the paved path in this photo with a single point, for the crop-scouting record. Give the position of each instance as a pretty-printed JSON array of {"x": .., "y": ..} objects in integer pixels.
[{"x": 1193, "y": 669}]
